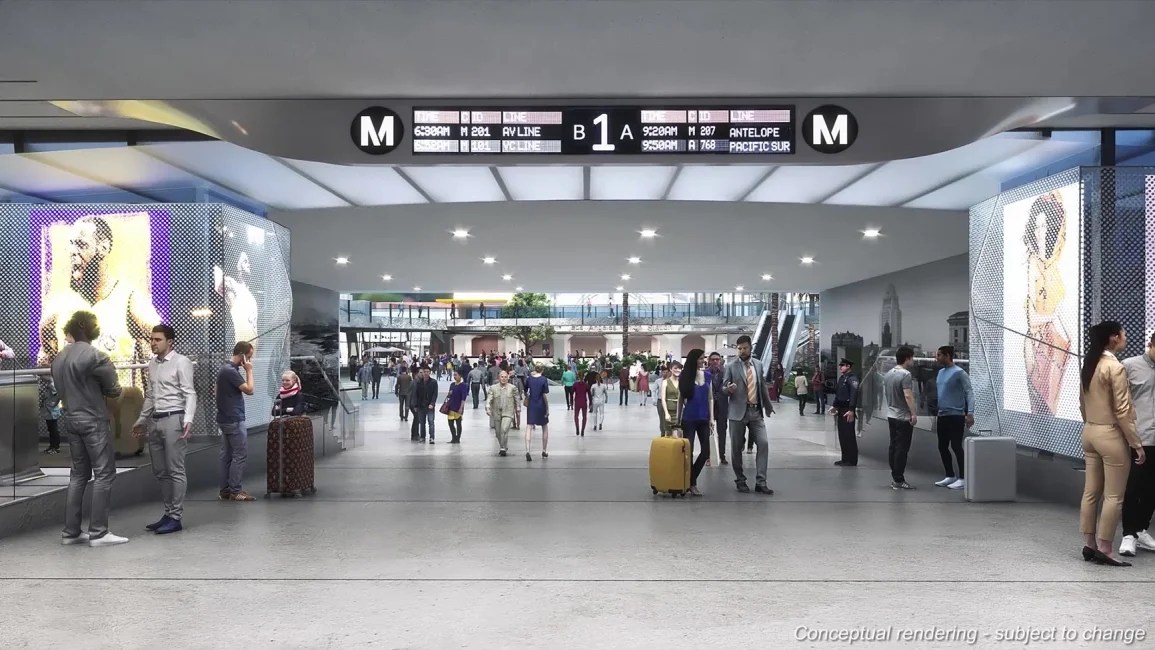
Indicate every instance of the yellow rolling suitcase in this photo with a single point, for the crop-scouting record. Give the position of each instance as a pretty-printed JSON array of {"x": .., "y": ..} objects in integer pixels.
[{"x": 670, "y": 466}]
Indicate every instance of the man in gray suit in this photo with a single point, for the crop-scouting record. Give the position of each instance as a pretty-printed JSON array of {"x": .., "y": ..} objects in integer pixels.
[{"x": 745, "y": 384}]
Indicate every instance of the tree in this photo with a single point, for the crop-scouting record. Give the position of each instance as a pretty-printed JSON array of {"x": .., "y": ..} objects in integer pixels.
[{"x": 529, "y": 306}]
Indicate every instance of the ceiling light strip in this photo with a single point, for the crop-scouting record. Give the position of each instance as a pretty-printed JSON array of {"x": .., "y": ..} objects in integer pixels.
[
  {"x": 867, "y": 172},
  {"x": 51, "y": 162},
  {"x": 670, "y": 185},
  {"x": 147, "y": 149},
  {"x": 314, "y": 181},
  {"x": 413, "y": 183},
  {"x": 965, "y": 176},
  {"x": 758, "y": 183},
  {"x": 500, "y": 183}
]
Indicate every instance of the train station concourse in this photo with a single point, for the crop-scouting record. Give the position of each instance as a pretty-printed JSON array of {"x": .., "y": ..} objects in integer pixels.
[{"x": 577, "y": 324}]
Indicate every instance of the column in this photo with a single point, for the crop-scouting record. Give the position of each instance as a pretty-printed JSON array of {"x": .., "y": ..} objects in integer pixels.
[
  {"x": 509, "y": 344},
  {"x": 671, "y": 343},
  {"x": 561, "y": 345},
  {"x": 613, "y": 343},
  {"x": 463, "y": 344}
]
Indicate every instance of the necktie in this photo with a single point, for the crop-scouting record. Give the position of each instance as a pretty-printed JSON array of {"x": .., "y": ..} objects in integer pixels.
[{"x": 751, "y": 385}]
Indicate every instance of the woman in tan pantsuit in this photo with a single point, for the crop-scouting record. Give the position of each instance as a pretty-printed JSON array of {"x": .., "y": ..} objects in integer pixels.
[{"x": 1108, "y": 431}]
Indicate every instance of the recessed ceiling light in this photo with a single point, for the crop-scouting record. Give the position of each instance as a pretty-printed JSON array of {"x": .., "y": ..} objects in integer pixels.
[
  {"x": 807, "y": 260},
  {"x": 341, "y": 260},
  {"x": 739, "y": 288},
  {"x": 871, "y": 233},
  {"x": 619, "y": 288},
  {"x": 767, "y": 277},
  {"x": 489, "y": 260},
  {"x": 625, "y": 276},
  {"x": 417, "y": 288},
  {"x": 648, "y": 233},
  {"x": 517, "y": 288},
  {"x": 634, "y": 260},
  {"x": 507, "y": 277},
  {"x": 460, "y": 233},
  {"x": 387, "y": 277}
]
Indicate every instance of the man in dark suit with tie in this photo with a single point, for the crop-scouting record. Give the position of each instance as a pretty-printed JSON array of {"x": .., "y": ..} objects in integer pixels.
[{"x": 745, "y": 385}]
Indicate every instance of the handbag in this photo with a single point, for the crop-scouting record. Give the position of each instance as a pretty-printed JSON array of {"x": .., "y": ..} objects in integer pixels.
[{"x": 444, "y": 410}]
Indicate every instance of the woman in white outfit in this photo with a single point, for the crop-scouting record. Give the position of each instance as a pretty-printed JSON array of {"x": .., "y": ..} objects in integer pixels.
[{"x": 599, "y": 396}]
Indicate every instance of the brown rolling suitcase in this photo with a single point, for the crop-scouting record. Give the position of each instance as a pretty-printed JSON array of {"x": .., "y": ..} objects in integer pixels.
[{"x": 289, "y": 457}]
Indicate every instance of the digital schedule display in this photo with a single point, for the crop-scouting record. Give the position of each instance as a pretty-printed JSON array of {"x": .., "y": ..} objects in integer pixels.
[{"x": 620, "y": 130}]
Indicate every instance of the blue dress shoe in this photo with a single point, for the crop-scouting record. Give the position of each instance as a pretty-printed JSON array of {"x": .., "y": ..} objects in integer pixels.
[
  {"x": 163, "y": 520},
  {"x": 172, "y": 526}
]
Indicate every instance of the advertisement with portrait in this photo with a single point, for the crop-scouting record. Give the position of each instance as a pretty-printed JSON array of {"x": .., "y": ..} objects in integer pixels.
[
  {"x": 1042, "y": 303},
  {"x": 113, "y": 263}
]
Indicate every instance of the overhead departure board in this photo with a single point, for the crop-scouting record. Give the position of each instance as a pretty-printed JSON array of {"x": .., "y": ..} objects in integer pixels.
[{"x": 618, "y": 130}]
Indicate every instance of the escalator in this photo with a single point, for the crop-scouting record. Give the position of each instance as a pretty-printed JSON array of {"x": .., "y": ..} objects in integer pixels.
[{"x": 762, "y": 338}]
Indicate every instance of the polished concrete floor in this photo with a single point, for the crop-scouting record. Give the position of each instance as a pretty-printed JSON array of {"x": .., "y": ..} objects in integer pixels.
[{"x": 446, "y": 546}]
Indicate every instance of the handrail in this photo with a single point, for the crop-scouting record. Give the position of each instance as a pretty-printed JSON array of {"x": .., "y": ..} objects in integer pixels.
[{"x": 336, "y": 392}]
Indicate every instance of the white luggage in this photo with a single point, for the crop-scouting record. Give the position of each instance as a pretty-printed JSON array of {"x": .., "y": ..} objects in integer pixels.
[{"x": 990, "y": 468}]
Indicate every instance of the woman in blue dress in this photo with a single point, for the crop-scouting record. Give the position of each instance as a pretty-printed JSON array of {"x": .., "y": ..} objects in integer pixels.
[{"x": 537, "y": 410}]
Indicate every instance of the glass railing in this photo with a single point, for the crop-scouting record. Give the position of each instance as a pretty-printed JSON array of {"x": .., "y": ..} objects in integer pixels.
[{"x": 354, "y": 313}]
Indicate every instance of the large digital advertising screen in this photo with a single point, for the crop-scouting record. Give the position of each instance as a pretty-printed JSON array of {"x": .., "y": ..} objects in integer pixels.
[
  {"x": 114, "y": 264},
  {"x": 1042, "y": 304}
]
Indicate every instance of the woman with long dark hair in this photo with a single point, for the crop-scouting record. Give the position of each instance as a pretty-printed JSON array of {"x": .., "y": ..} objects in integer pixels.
[
  {"x": 695, "y": 389},
  {"x": 1108, "y": 430}
]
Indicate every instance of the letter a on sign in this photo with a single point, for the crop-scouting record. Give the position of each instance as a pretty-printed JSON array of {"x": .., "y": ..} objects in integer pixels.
[
  {"x": 830, "y": 129},
  {"x": 377, "y": 130}
]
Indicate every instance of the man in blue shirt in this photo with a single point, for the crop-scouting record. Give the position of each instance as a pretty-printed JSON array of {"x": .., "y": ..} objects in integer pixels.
[
  {"x": 231, "y": 391},
  {"x": 956, "y": 414}
]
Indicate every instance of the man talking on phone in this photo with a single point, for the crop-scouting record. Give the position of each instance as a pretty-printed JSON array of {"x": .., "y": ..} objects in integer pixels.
[{"x": 745, "y": 386}]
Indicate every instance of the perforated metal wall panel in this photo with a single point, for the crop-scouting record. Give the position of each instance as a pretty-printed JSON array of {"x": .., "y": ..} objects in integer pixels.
[
  {"x": 138, "y": 265},
  {"x": 1027, "y": 312}
]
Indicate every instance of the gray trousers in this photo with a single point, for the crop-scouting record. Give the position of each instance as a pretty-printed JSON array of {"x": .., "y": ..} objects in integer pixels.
[
  {"x": 167, "y": 451},
  {"x": 90, "y": 443},
  {"x": 502, "y": 422},
  {"x": 234, "y": 455},
  {"x": 753, "y": 422}
]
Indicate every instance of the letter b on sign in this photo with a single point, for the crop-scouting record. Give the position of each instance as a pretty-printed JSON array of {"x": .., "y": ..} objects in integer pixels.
[
  {"x": 377, "y": 130},
  {"x": 830, "y": 129}
]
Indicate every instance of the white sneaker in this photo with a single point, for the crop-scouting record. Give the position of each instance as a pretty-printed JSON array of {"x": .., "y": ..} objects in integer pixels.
[
  {"x": 1127, "y": 546},
  {"x": 107, "y": 540},
  {"x": 82, "y": 538},
  {"x": 958, "y": 485},
  {"x": 946, "y": 481},
  {"x": 1146, "y": 541}
]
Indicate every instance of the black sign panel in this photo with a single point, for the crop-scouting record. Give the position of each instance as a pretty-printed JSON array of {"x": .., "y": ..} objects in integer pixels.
[{"x": 619, "y": 130}]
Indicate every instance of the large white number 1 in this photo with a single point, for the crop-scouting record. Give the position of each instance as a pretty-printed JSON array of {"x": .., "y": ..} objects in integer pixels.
[{"x": 603, "y": 121}]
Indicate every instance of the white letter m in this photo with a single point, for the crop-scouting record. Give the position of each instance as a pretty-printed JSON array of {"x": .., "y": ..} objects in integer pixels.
[
  {"x": 825, "y": 135},
  {"x": 370, "y": 133}
]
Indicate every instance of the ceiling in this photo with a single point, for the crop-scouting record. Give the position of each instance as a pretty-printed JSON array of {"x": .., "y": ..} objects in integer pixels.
[
  {"x": 952, "y": 180},
  {"x": 582, "y": 247},
  {"x": 143, "y": 49}
]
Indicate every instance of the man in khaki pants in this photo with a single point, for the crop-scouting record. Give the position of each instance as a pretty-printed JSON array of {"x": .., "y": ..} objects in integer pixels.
[
  {"x": 501, "y": 407},
  {"x": 170, "y": 403}
]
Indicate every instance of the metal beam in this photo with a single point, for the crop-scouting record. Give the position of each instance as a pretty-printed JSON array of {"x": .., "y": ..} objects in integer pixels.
[
  {"x": 867, "y": 172},
  {"x": 55, "y": 164},
  {"x": 758, "y": 183},
  {"x": 500, "y": 183},
  {"x": 413, "y": 183},
  {"x": 670, "y": 185},
  {"x": 314, "y": 181},
  {"x": 586, "y": 174}
]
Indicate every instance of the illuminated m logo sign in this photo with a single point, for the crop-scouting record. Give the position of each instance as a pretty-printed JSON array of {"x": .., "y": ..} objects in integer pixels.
[
  {"x": 377, "y": 130},
  {"x": 830, "y": 129},
  {"x": 825, "y": 135},
  {"x": 378, "y": 134}
]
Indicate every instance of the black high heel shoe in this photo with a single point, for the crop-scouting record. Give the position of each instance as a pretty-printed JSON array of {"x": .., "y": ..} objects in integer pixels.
[
  {"x": 1107, "y": 560},
  {"x": 1088, "y": 553}
]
